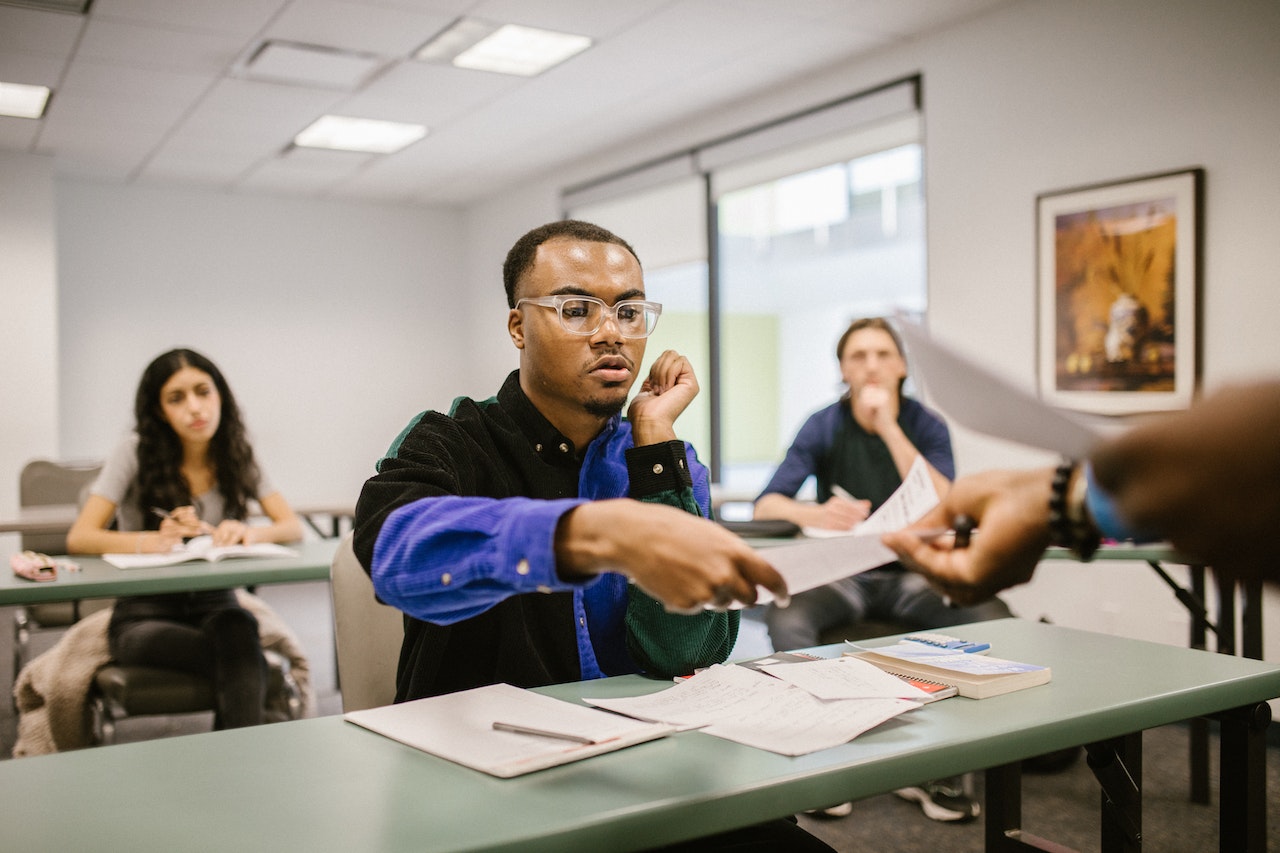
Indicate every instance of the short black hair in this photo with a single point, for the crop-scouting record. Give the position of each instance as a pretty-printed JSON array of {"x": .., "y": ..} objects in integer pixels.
[{"x": 521, "y": 256}]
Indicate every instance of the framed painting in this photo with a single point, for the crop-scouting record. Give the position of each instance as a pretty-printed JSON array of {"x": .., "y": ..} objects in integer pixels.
[{"x": 1119, "y": 294}]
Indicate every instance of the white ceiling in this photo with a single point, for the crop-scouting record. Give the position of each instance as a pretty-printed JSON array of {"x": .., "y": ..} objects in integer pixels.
[{"x": 154, "y": 92}]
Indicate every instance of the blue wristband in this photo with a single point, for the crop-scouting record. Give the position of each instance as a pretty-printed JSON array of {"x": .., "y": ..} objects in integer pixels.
[{"x": 1102, "y": 509}]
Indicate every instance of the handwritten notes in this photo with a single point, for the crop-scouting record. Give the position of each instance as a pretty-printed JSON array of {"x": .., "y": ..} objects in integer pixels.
[
  {"x": 760, "y": 710},
  {"x": 817, "y": 562}
]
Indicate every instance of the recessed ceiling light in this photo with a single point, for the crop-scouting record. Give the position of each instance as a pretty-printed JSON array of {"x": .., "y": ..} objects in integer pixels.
[
  {"x": 505, "y": 49},
  {"x": 23, "y": 101},
  {"x": 371, "y": 136}
]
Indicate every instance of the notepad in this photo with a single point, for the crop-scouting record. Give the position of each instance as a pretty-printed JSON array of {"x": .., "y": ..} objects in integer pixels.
[
  {"x": 973, "y": 675},
  {"x": 200, "y": 548},
  {"x": 459, "y": 727}
]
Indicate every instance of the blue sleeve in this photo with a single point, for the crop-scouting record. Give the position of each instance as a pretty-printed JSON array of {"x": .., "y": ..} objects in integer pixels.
[
  {"x": 445, "y": 559},
  {"x": 701, "y": 481},
  {"x": 803, "y": 456}
]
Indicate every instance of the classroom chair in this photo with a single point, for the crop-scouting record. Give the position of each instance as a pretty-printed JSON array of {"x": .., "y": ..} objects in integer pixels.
[
  {"x": 119, "y": 692},
  {"x": 368, "y": 634},
  {"x": 45, "y": 482}
]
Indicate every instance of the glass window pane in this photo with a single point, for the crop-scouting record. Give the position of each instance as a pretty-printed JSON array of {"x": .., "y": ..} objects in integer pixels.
[
  {"x": 800, "y": 258},
  {"x": 683, "y": 327}
]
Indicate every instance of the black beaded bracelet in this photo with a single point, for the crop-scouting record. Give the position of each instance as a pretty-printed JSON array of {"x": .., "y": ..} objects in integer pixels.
[{"x": 1069, "y": 523}]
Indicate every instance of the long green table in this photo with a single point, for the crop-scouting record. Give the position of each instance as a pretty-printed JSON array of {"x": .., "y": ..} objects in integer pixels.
[
  {"x": 326, "y": 785},
  {"x": 99, "y": 579}
]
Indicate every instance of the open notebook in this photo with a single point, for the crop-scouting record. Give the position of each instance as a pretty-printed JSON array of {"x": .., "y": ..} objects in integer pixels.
[{"x": 199, "y": 548}]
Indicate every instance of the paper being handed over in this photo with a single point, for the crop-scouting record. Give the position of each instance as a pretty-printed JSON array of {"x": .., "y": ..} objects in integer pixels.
[{"x": 817, "y": 562}]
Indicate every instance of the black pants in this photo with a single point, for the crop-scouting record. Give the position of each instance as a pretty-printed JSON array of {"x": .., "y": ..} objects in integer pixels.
[{"x": 205, "y": 633}]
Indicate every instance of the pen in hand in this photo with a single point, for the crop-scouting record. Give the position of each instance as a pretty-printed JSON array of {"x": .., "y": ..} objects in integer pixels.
[
  {"x": 961, "y": 531},
  {"x": 841, "y": 492}
]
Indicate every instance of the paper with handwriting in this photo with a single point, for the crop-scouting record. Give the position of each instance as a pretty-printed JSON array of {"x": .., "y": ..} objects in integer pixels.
[
  {"x": 816, "y": 562},
  {"x": 755, "y": 709}
]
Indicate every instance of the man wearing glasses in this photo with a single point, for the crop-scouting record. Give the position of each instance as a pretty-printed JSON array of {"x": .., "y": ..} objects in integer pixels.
[{"x": 537, "y": 537}]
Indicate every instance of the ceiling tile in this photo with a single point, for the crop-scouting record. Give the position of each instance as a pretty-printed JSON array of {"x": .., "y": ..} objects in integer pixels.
[
  {"x": 388, "y": 31},
  {"x": 38, "y": 32},
  {"x": 240, "y": 18},
  {"x": 149, "y": 47}
]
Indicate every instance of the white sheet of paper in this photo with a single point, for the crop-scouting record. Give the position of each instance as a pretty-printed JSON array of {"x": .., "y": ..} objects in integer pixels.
[
  {"x": 814, "y": 563},
  {"x": 758, "y": 710},
  {"x": 699, "y": 700},
  {"x": 799, "y": 723},
  {"x": 844, "y": 678},
  {"x": 976, "y": 397}
]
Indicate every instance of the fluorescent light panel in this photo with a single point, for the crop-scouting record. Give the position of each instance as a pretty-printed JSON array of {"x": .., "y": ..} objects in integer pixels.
[
  {"x": 342, "y": 133},
  {"x": 22, "y": 101},
  {"x": 505, "y": 49}
]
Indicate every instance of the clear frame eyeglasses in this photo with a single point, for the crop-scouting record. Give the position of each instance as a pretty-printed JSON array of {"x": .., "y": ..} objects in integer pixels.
[{"x": 584, "y": 315}]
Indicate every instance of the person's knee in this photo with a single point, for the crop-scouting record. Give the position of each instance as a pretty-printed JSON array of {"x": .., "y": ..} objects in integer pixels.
[
  {"x": 793, "y": 627},
  {"x": 232, "y": 622}
]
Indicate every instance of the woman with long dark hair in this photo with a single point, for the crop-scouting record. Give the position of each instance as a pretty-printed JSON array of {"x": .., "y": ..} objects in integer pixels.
[{"x": 187, "y": 470}]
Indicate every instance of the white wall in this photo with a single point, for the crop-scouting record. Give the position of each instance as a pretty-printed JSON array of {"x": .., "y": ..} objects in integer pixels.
[
  {"x": 334, "y": 323},
  {"x": 1044, "y": 95},
  {"x": 28, "y": 343}
]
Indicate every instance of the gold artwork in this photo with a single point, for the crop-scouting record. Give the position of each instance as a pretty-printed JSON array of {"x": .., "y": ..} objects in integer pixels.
[{"x": 1115, "y": 295}]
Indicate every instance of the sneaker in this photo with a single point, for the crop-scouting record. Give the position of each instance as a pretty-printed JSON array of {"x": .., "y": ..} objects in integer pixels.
[
  {"x": 943, "y": 799},
  {"x": 839, "y": 810}
]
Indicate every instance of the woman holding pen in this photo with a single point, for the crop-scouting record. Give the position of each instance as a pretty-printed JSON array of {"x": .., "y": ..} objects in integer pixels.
[{"x": 187, "y": 470}]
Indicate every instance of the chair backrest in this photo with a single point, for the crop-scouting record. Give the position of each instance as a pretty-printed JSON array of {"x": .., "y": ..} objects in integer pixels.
[
  {"x": 368, "y": 634},
  {"x": 44, "y": 482}
]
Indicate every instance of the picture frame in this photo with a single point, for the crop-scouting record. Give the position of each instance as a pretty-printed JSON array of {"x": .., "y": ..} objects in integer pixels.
[{"x": 1118, "y": 278}]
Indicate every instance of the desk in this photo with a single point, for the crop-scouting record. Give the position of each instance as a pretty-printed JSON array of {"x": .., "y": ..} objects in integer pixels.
[
  {"x": 58, "y": 518},
  {"x": 52, "y": 518},
  {"x": 336, "y": 513},
  {"x": 1249, "y": 641},
  {"x": 99, "y": 579},
  {"x": 1226, "y": 640},
  {"x": 325, "y": 785}
]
